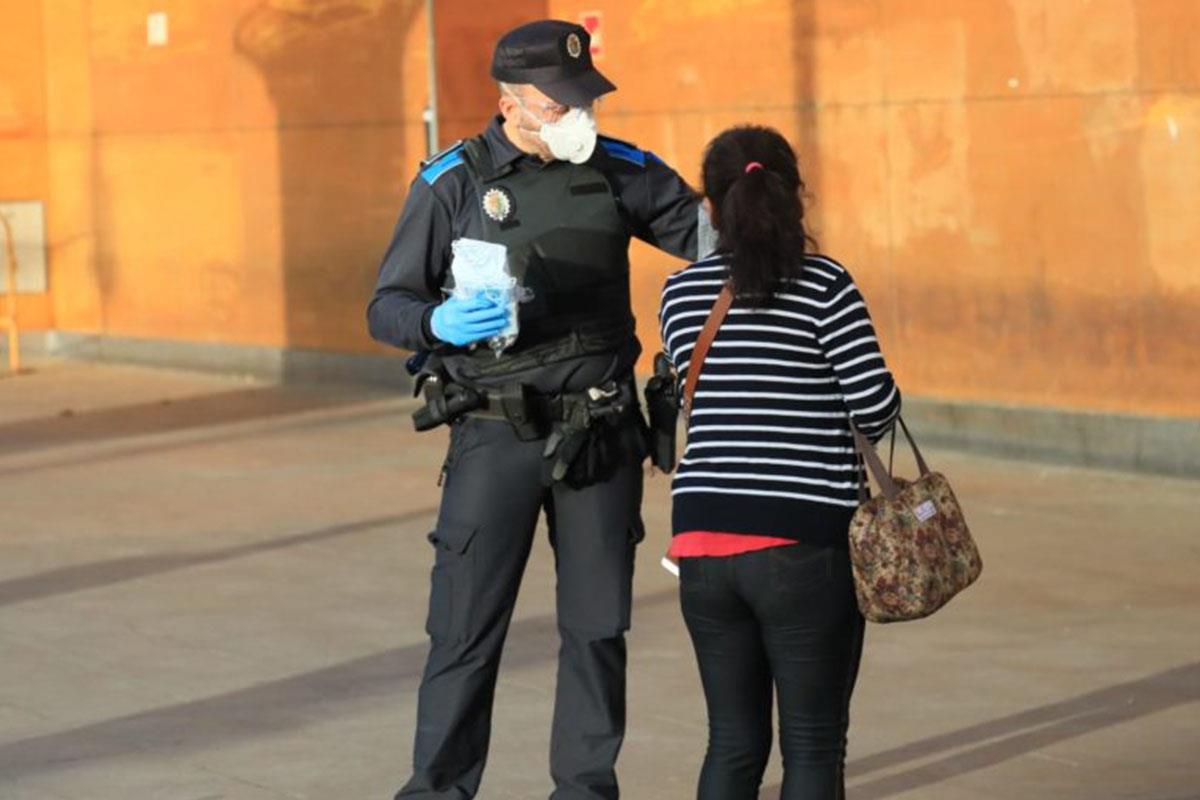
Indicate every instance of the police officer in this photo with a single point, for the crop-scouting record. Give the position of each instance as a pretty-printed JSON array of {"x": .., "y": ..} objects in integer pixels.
[{"x": 553, "y": 422}]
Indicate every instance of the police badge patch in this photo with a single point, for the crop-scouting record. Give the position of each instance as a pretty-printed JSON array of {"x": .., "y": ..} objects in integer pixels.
[
  {"x": 498, "y": 204},
  {"x": 574, "y": 46}
]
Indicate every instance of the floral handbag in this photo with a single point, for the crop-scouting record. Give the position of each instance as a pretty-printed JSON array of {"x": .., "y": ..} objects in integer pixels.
[{"x": 909, "y": 545}]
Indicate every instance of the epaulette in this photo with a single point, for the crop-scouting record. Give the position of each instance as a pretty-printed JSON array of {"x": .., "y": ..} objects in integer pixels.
[
  {"x": 626, "y": 151},
  {"x": 439, "y": 164}
]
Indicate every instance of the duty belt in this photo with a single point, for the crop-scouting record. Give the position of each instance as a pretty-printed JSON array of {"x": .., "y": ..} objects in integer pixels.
[
  {"x": 582, "y": 430},
  {"x": 532, "y": 414}
]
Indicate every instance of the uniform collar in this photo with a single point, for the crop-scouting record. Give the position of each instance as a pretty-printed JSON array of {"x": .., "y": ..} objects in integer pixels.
[{"x": 503, "y": 151}]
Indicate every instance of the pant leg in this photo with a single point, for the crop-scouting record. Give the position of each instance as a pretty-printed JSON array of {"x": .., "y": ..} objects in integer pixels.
[
  {"x": 594, "y": 531},
  {"x": 856, "y": 642},
  {"x": 804, "y": 600},
  {"x": 735, "y": 675},
  {"x": 490, "y": 503}
]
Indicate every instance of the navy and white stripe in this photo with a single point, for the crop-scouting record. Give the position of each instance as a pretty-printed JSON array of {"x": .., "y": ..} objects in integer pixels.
[{"x": 769, "y": 447}]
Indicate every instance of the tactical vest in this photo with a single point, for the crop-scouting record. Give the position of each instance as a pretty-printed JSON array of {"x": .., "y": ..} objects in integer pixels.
[{"x": 569, "y": 247}]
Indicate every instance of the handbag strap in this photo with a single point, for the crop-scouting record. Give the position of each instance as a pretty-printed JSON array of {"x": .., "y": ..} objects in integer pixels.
[
  {"x": 922, "y": 467},
  {"x": 703, "y": 342},
  {"x": 868, "y": 454}
]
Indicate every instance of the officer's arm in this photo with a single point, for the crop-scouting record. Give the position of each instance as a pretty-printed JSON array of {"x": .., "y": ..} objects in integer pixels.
[
  {"x": 667, "y": 210},
  {"x": 410, "y": 276}
]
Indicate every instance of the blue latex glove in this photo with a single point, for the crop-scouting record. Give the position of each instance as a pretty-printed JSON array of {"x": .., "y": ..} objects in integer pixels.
[{"x": 463, "y": 321}]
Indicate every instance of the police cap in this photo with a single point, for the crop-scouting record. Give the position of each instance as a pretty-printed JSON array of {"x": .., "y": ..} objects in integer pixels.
[{"x": 554, "y": 56}]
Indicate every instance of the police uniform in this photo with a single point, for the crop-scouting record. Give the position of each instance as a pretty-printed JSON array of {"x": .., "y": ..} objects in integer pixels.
[{"x": 567, "y": 228}]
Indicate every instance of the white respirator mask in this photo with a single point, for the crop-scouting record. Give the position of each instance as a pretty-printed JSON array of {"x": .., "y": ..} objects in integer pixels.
[{"x": 572, "y": 137}]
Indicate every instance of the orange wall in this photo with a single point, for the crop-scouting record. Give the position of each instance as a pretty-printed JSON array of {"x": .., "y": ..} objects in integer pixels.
[
  {"x": 1012, "y": 181},
  {"x": 241, "y": 177},
  {"x": 23, "y": 148},
  {"x": 240, "y": 183}
]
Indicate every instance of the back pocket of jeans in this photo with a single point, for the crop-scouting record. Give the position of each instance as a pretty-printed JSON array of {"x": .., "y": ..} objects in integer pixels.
[
  {"x": 693, "y": 573},
  {"x": 800, "y": 569}
]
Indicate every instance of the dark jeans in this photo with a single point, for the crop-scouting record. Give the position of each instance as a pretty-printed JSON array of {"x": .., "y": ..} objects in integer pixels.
[
  {"x": 491, "y": 501},
  {"x": 784, "y": 619}
]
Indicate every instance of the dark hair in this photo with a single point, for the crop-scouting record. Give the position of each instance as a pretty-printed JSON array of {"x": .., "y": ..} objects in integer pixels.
[{"x": 758, "y": 214}]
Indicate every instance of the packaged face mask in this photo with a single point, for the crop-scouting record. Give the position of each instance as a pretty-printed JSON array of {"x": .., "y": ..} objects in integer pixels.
[{"x": 481, "y": 267}]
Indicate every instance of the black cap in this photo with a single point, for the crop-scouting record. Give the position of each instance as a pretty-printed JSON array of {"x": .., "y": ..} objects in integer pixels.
[{"x": 554, "y": 56}]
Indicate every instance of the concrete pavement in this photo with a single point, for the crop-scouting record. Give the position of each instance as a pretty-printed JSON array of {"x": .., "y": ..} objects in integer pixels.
[{"x": 214, "y": 588}]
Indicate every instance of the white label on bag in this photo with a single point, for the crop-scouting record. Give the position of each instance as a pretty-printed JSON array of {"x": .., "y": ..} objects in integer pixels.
[{"x": 926, "y": 511}]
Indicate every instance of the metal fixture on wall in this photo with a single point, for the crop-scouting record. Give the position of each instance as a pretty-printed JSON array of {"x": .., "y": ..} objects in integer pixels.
[
  {"x": 9, "y": 320},
  {"x": 431, "y": 109}
]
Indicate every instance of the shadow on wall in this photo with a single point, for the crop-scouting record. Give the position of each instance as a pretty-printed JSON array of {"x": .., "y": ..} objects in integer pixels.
[
  {"x": 804, "y": 27},
  {"x": 466, "y": 36},
  {"x": 350, "y": 139},
  {"x": 335, "y": 70}
]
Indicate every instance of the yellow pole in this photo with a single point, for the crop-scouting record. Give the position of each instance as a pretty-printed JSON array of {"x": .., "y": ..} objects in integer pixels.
[{"x": 9, "y": 320}]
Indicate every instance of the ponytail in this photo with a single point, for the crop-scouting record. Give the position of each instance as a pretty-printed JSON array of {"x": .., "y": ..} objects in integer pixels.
[{"x": 753, "y": 183}]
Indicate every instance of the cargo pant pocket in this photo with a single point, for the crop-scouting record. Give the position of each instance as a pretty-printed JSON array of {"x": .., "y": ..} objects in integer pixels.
[{"x": 451, "y": 590}]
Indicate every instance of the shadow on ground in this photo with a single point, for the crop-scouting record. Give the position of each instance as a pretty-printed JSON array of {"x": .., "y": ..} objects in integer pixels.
[
  {"x": 1009, "y": 737},
  {"x": 164, "y": 416},
  {"x": 118, "y": 570},
  {"x": 276, "y": 705}
]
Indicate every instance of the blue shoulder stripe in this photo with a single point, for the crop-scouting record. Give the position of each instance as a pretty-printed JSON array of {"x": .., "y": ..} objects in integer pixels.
[
  {"x": 623, "y": 150},
  {"x": 442, "y": 164}
]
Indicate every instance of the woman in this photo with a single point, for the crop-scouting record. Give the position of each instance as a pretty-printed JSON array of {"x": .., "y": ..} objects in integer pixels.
[{"x": 768, "y": 483}]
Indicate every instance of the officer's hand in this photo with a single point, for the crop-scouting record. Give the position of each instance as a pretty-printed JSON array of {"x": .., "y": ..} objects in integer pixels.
[{"x": 462, "y": 321}]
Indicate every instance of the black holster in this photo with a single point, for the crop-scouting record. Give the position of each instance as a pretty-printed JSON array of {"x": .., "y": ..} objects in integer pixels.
[
  {"x": 662, "y": 405},
  {"x": 444, "y": 403},
  {"x": 592, "y": 437}
]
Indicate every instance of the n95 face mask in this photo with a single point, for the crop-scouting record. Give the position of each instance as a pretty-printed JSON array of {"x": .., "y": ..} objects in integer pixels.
[{"x": 572, "y": 137}]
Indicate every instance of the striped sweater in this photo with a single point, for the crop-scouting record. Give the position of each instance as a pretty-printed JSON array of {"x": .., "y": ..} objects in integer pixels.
[{"x": 769, "y": 449}]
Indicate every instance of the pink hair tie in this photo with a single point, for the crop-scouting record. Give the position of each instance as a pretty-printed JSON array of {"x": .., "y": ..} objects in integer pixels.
[{"x": 753, "y": 165}]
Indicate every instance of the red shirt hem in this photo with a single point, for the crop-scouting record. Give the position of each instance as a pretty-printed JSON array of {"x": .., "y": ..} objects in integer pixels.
[{"x": 693, "y": 544}]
